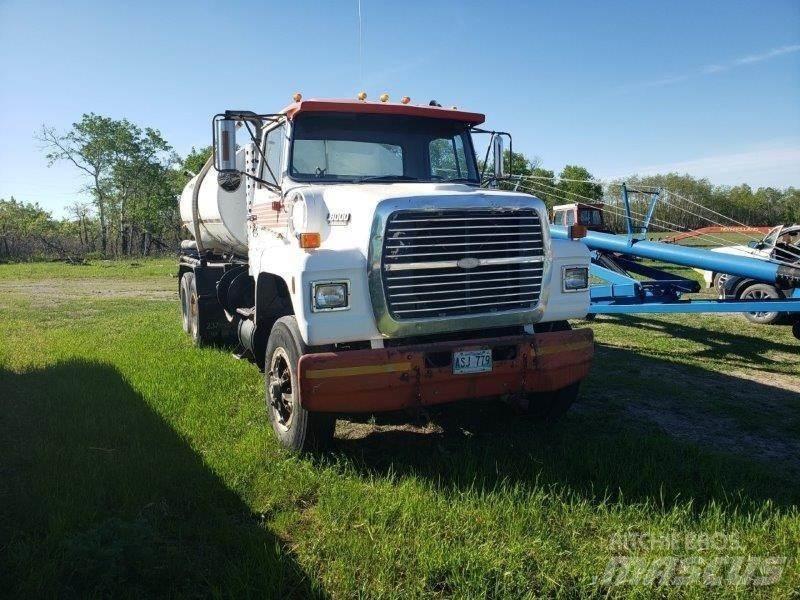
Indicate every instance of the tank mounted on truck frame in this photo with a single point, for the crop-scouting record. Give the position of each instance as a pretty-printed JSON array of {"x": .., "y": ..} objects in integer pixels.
[{"x": 351, "y": 250}]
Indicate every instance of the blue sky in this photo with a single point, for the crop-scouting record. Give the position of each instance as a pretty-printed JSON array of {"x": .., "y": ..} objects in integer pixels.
[{"x": 709, "y": 88}]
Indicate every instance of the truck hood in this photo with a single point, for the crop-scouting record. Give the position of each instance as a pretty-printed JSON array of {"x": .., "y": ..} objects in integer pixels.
[{"x": 345, "y": 212}]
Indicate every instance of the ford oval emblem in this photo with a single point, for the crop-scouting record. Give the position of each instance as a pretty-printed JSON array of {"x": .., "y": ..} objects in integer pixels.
[{"x": 468, "y": 262}]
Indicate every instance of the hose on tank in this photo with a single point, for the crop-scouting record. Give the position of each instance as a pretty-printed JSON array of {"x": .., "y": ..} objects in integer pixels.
[{"x": 195, "y": 199}]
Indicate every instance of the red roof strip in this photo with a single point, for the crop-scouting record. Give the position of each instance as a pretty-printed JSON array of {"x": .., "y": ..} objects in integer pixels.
[{"x": 382, "y": 108}]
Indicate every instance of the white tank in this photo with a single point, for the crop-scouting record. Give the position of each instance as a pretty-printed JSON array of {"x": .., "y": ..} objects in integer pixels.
[{"x": 222, "y": 215}]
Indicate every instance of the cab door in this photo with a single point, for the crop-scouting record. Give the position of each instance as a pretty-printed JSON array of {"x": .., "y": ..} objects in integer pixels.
[{"x": 266, "y": 214}]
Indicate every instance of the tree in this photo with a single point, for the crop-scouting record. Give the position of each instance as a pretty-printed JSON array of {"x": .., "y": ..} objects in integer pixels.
[
  {"x": 542, "y": 184},
  {"x": 195, "y": 160},
  {"x": 578, "y": 184},
  {"x": 121, "y": 161}
]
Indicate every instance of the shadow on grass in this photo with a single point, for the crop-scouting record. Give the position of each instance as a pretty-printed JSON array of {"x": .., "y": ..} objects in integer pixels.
[
  {"x": 100, "y": 497},
  {"x": 599, "y": 451},
  {"x": 720, "y": 345}
]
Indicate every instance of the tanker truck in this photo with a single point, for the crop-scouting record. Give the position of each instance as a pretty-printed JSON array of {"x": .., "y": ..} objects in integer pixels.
[{"x": 350, "y": 251}]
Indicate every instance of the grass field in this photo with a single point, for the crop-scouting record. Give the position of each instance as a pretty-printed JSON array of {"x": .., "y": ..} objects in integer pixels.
[{"x": 132, "y": 464}]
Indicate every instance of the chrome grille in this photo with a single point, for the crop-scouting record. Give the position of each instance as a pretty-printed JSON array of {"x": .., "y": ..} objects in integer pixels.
[{"x": 462, "y": 262}]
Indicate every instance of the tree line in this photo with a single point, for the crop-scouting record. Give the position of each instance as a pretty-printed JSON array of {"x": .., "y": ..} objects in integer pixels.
[
  {"x": 684, "y": 202},
  {"x": 133, "y": 177}
]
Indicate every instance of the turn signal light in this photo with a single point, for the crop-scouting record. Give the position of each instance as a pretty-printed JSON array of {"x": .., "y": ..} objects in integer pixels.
[
  {"x": 384, "y": 97},
  {"x": 405, "y": 100},
  {"x": 310, "y": 240},
  {"x": 297, "y": 97},
  {"x": 362, "y": 96},
  {"x": 577, "y": 232}
]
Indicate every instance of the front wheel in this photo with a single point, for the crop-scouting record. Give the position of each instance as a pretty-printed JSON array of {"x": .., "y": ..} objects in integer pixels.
[
  {"x": 551, "y": 406},
  {"x": 762, "y": 291},
  {"x": 296, "y": 428}
]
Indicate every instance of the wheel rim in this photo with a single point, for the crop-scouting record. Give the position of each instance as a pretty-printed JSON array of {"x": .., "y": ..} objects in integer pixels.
[
  {"x": 279, "y": 389},
  {"x": 193, "y": 314},
  {"x": 184, "y": 308},
  {"x": 757, "y": 295}
]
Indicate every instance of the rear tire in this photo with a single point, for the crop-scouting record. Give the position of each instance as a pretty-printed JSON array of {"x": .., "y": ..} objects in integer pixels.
[
  {"x": 184, "y": 295},
  {"x": 762, "y": 291},
  {"x": 200, "y": 324},
  {"x": 296, "y": 428}
]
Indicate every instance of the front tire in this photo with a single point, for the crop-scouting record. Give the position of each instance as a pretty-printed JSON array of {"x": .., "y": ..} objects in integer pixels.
[
  {"x": 551, "y": 406},
  {"x": 296, "y": 428},
  {"x": 548, "y": 407},
  {"x": 762, "y": 291}
]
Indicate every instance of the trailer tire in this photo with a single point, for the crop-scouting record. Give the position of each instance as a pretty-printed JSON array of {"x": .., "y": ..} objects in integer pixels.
[
  {"x": 184, "y": 296},
  {"x": 296, "y": 428},
  {"x": 199, "y": 320},
  {"x": 760, "y": 291}
]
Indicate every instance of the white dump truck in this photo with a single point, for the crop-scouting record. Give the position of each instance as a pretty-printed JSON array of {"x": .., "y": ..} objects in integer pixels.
[{"x": 355, "y": 253}]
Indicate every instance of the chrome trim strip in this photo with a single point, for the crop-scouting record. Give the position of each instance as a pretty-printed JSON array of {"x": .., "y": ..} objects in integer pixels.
[
  {"x": 484, "y": 297},
  {"x": 473, "y": 227},
  {"x": 460, "y": 235},
  {"x": 451, "y": 244},
  {"x": 417, "y": 310},
  {"x": 462, "y": 252},
  {"x": 450, "y": 264},
  {"x": 440, "y": 218},
  {"x": 473, "y": 289},
  {"x": 479, "y": 200},
  {"x": 399, "y": 277},
  {"x": 461, "y": 282}
]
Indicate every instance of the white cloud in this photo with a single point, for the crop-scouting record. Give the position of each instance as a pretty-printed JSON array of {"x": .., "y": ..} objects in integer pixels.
[
  {"x": 715, "y": 68},
  {"x": 773, "y": 164}
]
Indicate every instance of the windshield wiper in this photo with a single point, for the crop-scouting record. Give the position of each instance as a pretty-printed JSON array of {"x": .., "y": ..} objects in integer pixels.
[
  {"x": 377, "y": 178},
  {"x": 460, "y": 180}
]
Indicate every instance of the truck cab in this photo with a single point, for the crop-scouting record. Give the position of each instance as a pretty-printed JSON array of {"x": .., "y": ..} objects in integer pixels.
[
  {"x": 589, "y": 216},
  {"x": 356, "y": 254}
]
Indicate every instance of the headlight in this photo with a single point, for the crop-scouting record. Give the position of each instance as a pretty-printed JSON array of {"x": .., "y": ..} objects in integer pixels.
[
  {"x": 575, "y": 279},
  {"x": 330, "y": 295}
]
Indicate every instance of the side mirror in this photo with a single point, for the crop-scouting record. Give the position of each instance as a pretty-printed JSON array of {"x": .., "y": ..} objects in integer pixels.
[
  {"x": 225, "y": 145},
  {"x": 497, "y": 153},
  {"x": 753, "y": 244},
  {"x": 228, "y": 177}
]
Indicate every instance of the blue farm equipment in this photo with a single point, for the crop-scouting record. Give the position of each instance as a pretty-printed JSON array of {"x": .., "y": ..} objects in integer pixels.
[{"x": 623, "y": 284}]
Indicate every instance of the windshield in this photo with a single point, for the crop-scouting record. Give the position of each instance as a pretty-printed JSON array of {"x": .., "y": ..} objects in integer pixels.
[
  {"x": 772, "y": 237},
  {"x": 591, "y": 217},
  {"x": 357, "y": 147}
]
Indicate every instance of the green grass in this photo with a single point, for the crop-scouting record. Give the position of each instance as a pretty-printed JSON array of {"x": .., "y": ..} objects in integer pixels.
[{"x": 132, "y": 464}]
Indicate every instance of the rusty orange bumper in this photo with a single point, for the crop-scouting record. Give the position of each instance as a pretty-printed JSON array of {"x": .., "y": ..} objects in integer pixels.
[{"x": 396, "y": 378}]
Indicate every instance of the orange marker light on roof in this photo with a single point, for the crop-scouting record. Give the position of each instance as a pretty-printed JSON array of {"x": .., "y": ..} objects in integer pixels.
[
  {"x": 310, "y": 240},
  {"x": 384, "y": 97},
  {"x": 297, "y": 97},
  {"x": 362, "y": 96},
  {"x": 405, "y": 100}
]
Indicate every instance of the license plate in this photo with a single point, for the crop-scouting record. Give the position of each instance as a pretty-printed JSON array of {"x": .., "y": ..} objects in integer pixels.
[{"x": 472, "y": 361}]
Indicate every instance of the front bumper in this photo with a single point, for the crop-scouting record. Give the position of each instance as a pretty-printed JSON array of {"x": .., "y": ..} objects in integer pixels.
[{"x": 396, "y": 378}]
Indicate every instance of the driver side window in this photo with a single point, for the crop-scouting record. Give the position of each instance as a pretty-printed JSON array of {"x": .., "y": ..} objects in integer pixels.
[{"x": 273, "y": 150}]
